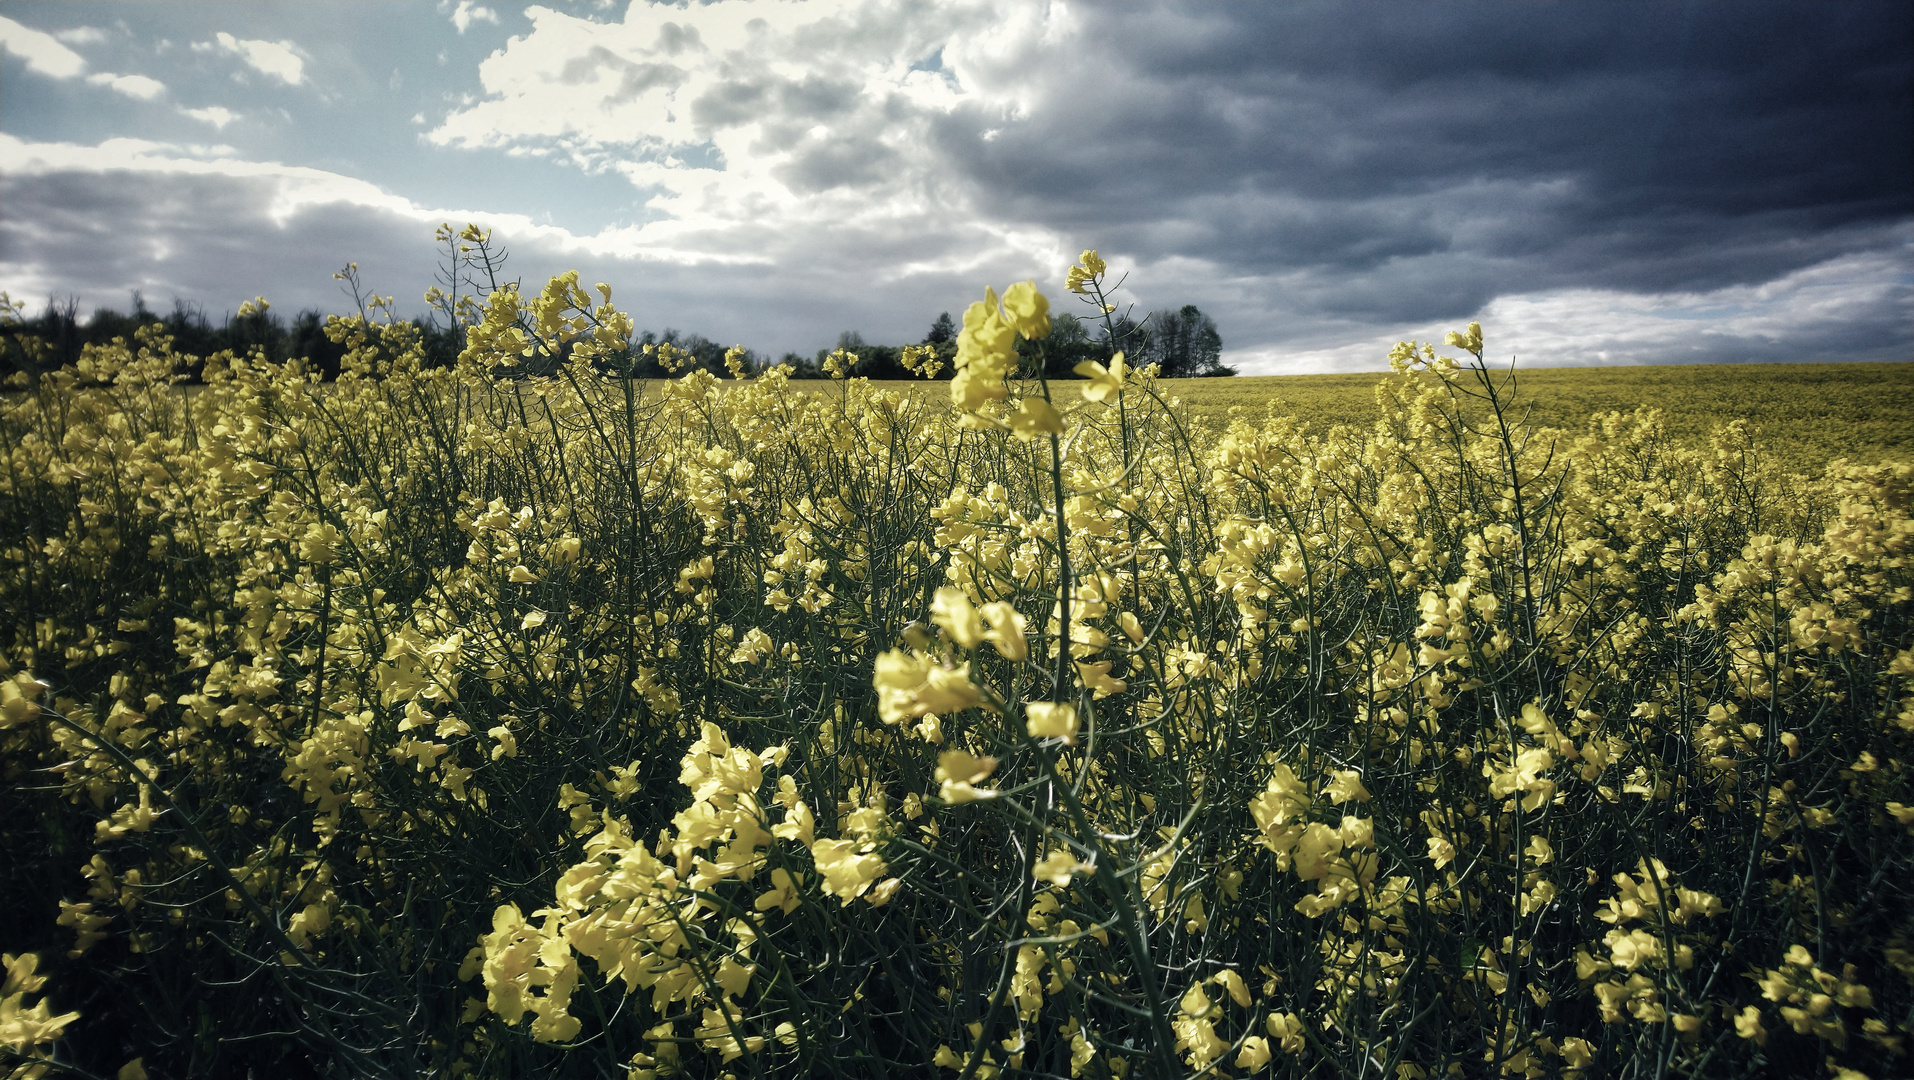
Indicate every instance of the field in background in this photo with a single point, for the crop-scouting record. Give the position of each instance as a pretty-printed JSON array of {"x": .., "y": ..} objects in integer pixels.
[
  {"x": 1812, "y": 413},
  {"x": 456, "y": 722},
  {"x": 1805, "y": 414}
]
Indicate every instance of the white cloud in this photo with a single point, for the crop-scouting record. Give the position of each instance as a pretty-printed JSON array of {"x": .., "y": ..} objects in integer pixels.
[
  {"x": 81, "y": 35},
  {"x": 133, "y": 86},
  {"x": 783, "y": 134},
  {"x": 863, "y": 164},
  {"x": 468, "y": 13},
  {"x": 296, "y": 186},
  {"x": 216, "y": 115},
  {"x": 196, "y": 221},
  {"x": 280, "y": 59},
  {"x": 44, "y": 55},
  {"x": 261, "y": 197},
  {"x": 1808, "y": 315},
  {"x": 217, "y": 230}
]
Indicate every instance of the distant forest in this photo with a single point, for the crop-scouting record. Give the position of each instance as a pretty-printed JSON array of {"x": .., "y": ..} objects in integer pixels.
[{"x": 1184, "y": 341}]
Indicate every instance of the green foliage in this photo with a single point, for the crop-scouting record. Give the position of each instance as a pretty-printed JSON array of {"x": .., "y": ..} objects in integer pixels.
[
  {"x": 461, "y": 721},
  {"x": 1803, "y": 415}
]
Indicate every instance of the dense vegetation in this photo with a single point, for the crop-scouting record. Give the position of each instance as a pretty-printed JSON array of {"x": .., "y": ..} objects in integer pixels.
[
  {"x": 1799, "y": 416},
  {"x": 467, "y": 721},
  {"x": 1182, "y": 342}
]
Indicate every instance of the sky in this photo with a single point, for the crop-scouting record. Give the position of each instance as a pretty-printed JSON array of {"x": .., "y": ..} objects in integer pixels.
[{"x": 1595, "y": 182}]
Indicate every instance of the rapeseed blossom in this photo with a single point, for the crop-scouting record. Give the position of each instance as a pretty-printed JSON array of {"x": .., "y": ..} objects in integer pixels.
[
  {"x": 1104, "y": 383},
  {"x": 1052, "y": 720},
  {"x": 684, "y": 684}
]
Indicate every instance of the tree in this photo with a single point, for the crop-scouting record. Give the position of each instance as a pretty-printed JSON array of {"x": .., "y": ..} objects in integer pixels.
[
  {"x": 873, "y": 361},
  {"x": 1186, "y": 343},
  {"x": 941, "y": 331},
  {"x": 1068, "y": 345},
  {"x": 1131, "y": 338}
]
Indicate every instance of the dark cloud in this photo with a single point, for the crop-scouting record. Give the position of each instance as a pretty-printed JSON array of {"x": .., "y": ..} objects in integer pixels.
[
  {"x": 674, "y": 39},
  {"x": 826, "y": 164},
  {"x": 213, "y": 240},
  {"x": 795, "y": 104},
  {"x": 1626, "y": 146},
  {"x": 634, "y": 78},
  {"x": 207, "y": 240},
  {"x": 1609, "y": 182},
  {"x": 729, "y": 103}
]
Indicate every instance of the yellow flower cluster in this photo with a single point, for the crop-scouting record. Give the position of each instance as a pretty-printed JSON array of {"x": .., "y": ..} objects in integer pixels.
[
  {"x": 522, "y": 718},
  {"x": 28, "y": 1031}
]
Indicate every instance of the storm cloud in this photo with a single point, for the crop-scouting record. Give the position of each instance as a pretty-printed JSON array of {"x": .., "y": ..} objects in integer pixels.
[{"x": 1599, "y": 183}]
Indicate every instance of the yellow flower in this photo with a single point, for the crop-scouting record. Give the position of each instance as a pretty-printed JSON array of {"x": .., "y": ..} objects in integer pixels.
[
  {"x": 910, "y": 685},
  {"x": 1285, "y": 798},
  {"x": 987, "y": 339},
  {"x": 1748, "y": 1025},
  {"x": 1318, "y": 845},
  {"x": 782, "y": 895},
  {"x": 1577, "y": 1053},
  {"x": 951, "y": 610},
  {"x": 1051, "y": 720},
  {"x": 799, "y": 824},
  {"x": 1347, "y": 785},
  {"x": 1006, "y": 630},
  {"x": 1357, "y": 832},
  {"x": 1096, "y": 678},
  {"x": 1105, "y": 383},
  {"x": 1028, "y": 309},
  {"x": 1287, "y": 1029},
  {"x": 846, "y": 872},
  {"x": 973, "y": 386},
  {"x": 1472, "y": 340},
  {"x": 1526, "y": 776},
  {"x": 1233, "y": 984},
  {"x": 16, "y": 700},
  {"x": 839, "y": 363},
  {"x": 1034, "y": 417},
  {"x": 960, "y": 771},
  {"x": 1057, "y": 868},
  {"x": 24, "y": 1028},
  {"x": 1540, "y": 849},
  {"x": 753, "y": 648},
  {"x": 1089, "y": 268},
  {"x": 1255, "y": 1054},
  {"x": 22, "y": 977},
  {"x": 507, "y": 742}
]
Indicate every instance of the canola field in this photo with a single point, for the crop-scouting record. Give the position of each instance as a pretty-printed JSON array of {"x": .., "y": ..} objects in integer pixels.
[
  {"x": 1803, "y": 415},
  {"x": 452, "y": 723}
]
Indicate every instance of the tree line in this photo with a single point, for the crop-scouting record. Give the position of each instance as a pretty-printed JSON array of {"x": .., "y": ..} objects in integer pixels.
[{"x": 1183, "y": 342}]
